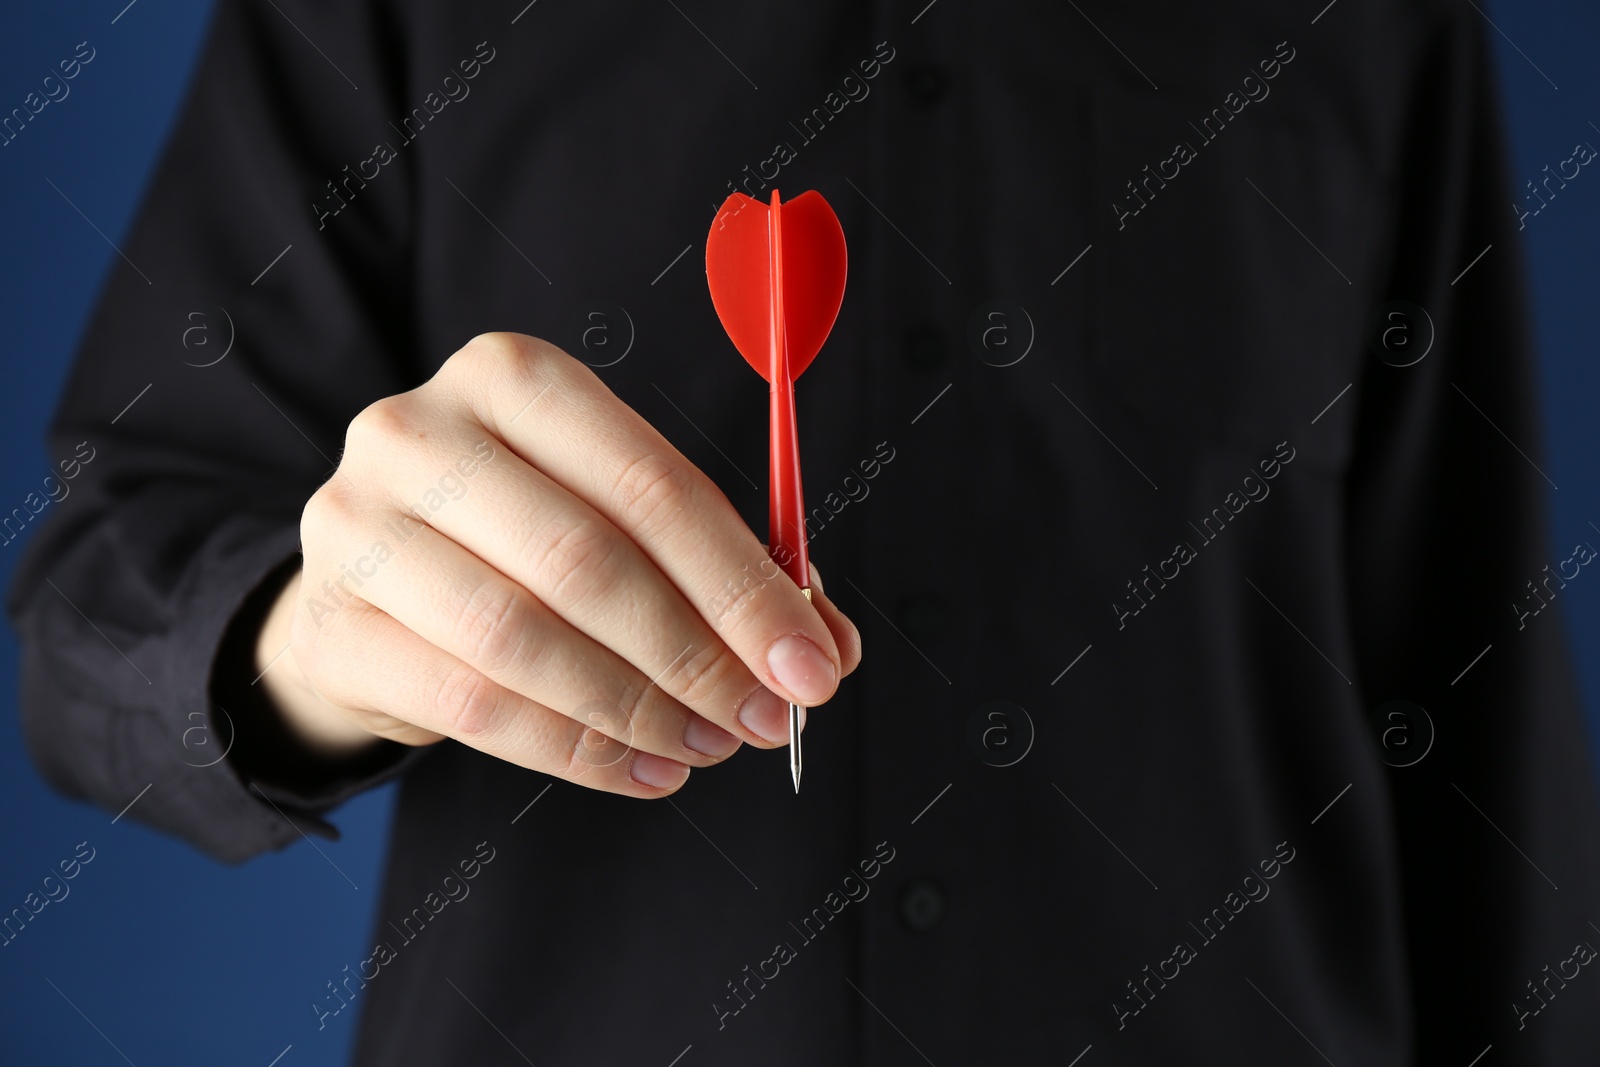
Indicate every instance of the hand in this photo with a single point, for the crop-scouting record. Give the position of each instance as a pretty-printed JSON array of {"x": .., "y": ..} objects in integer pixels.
[{"x": 510, "y": 556}]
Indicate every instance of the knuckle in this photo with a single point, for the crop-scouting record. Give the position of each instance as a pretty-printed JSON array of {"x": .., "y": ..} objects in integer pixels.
[
  {"x": 513, "y": 367},
  {"x": 629, "y": 715},
  {"x": 705, "y": 673},
  {"x": 740, "y": 599},
  {"x": 379, "y": 423},
  {"x": 580, "y": 563},
  {"x": 490, "y": 626},
  {"x": 327, "y": 513},
  {"x": 498, "y": 357},
  {"x": 593, "y": 743},
  {"x": 502, "y": 344},
  {"x": 572, "y": 765},
  {"x": 651, "y": 486},
  {"x": 495, "y": 350},
  {"x": 468, "y": 703}
]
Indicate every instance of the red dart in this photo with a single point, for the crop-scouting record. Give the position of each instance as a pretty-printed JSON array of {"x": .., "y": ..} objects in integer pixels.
[{"x": 777, "y": 277}]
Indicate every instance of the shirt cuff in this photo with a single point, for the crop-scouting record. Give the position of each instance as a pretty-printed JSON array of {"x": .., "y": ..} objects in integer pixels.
[{"x": 255, "y": 807}]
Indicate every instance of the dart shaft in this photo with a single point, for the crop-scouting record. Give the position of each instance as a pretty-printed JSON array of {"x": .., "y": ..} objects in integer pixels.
[
  {"x": 786, "y": 529},
  {"x": 786, "y": 520}
]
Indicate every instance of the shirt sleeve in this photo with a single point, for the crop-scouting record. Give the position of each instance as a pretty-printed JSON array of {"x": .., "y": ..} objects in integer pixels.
[
  {"x": 241, "y": 327},
  {"x": 1447, "y": 502}
]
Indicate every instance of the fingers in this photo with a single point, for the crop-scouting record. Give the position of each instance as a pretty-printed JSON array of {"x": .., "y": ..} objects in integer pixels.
[
  {"x": 845, "y": 634},
  {"x": 497, "y": 628},
  {"x": 590, "y": 600},
  {"x": 371, "y": 664},
  {"x": 520, "y": 531},
  {"x": 559, "y": 418}
]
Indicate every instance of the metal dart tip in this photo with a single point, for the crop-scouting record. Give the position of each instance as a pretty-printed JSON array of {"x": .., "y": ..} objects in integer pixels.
[
  {"x": 794, "y": 728},
  {"x": 794, "y": 745}
]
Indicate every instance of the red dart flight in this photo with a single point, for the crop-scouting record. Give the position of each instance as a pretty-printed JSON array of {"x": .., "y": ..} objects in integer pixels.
[
  {"x": 777, "y": 279},
  {"x": 777, "y": 275}
]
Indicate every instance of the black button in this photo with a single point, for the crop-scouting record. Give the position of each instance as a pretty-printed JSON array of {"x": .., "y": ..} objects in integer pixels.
[
  {"x": 924, "y": 617},
  {"x": 921, "y": 905},
  {"x": 926, "y": 83},
  {"x": 926, "y": 348}
]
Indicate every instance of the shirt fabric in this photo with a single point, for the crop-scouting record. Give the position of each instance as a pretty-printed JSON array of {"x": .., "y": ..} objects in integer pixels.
[{"x": 1155, "y": 532}]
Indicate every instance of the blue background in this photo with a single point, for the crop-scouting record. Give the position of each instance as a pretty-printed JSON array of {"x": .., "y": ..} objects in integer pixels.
[{"x": 180, "y": 960}]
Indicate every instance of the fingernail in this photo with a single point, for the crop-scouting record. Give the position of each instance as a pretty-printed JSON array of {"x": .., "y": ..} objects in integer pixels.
[
  {"x": 649, "y": 769},
  {"x": 709, "y": 739},
  {"x": 766, "y": 714},
  {"x": 800, "y": 667}
]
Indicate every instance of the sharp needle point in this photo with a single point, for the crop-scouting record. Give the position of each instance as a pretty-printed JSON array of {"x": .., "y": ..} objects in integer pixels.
[{"x": 794, "y": 745}]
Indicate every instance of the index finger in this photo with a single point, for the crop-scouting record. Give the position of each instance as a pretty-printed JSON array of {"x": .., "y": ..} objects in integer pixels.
[{"x": 558, "y": 416}]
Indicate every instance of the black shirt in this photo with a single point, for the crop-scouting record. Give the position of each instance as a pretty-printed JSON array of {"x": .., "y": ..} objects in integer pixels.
[{"x": 1159, "y": 528}]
